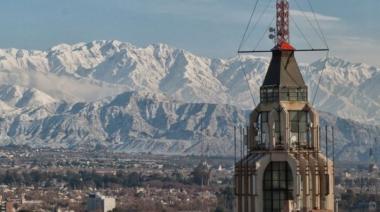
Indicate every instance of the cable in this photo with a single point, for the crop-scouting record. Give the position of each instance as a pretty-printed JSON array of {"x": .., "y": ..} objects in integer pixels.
[
  {"x": 245, "y": 75},
  {"x": 319, "y": 26},
  {"x": 247, "y": 27},
  {"x": 320, "y": 77},
  {"x": 259, "y": 19},
  {"x": 300, "y": 31},
  {"x": 249, "y": 86},
  {"x": 263, "y": 35},
  {"x": 310, "y": 22}
]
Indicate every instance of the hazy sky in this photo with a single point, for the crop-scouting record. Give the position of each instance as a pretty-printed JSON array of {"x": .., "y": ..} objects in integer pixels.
[{"x": 210, "y": 28}]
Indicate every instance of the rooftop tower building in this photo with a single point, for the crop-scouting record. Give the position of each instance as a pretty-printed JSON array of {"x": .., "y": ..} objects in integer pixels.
[{"x": 284, "y": 169}]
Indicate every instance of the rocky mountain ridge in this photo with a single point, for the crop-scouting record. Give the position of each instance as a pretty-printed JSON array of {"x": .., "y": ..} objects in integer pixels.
[
  {"x": 164, "y": 100},
  {"x": 94, "y": 70},
  {"x": 134, "y": 122}
]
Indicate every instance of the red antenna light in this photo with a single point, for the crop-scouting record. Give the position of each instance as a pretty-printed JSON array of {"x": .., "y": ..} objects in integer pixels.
[{"x": 282, "y": 23}]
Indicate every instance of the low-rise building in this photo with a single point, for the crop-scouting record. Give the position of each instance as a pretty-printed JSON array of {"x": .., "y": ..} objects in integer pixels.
[{"x": 100, "y": 203}]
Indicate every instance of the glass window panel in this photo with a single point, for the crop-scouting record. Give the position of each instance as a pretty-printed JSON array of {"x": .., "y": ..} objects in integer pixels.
[
  {"x": 268, "y": 206},
  {"x": 276, "y": 175},
  {"x": 299, "y": 127},
  {"x": 282, "y": 175},
  {"x": 303, "y": 138},
  {"x": 302, "y": 116},
  {"x": 264, "y": 116},
  {"x": 284, "y": 96},
  {"x": 265, "y": 128},
  {"x": 293, "y": 116},
  {"x": 276, "y": 195},
  {"x": 267, "y": 195},
  {"x": 302, "y": 95},
  {"x": 276, "y": 184},
  {"x": 268, "y": 176},
  {"x": 303, "y": 126},
  {"x": 265, "y": 139},
  {"x": 267, "y": 184},
  {"x": 293, "y": 138},
  {"x": 294, "y": 126},
  {"x": 275, "y": 166},
  {"x": 276, "y": 205},
  {"x": 292, "y": 97}
]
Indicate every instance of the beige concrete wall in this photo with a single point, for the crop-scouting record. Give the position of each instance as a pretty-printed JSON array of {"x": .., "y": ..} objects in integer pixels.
[{"x": 308, "y": 166}]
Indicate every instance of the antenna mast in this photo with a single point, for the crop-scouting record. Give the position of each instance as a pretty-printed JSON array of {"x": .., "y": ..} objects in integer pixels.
[
  {"x": 282, "y": 23},
  {"x": 281, "y": 32}
]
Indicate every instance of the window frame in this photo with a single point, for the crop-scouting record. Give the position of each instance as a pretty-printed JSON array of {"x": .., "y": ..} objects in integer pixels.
[{"x": 277, "y": 190}]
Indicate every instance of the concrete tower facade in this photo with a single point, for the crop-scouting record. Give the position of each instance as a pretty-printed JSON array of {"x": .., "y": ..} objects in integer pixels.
[{"x": 284, "y": 169}]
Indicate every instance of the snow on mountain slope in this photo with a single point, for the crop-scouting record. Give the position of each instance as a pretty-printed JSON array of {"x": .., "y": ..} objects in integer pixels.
[
  {"x": 19, "y": 97},
  {"x": 134, "y": 122},
  {"x": 4, "y": 107},
  {"x": 128, "y": 122},
  {"x": 346, "y": 89},
  {"x": 90, "y": 71}
]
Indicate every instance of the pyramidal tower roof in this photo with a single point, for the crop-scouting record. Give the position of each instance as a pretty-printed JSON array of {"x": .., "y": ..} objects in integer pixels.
[{"x": 283, "y": 69}]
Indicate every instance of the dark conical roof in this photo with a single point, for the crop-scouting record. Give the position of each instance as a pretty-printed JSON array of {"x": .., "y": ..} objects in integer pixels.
[{"x": 283, "y": 70}]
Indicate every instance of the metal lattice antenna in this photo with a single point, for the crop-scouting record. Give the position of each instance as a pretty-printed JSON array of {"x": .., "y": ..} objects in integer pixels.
[
  {"x": 280, "y": 34},
  {"x": 282, "y": 22}
]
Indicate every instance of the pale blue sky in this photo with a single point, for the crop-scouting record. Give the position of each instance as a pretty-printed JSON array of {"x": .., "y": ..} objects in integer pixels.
[{"x": 211, "y": 28}]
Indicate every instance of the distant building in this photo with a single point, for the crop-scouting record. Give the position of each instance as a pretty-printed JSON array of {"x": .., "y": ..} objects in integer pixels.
[
  {"x": 99, "y": 203},
  {"x": 284, "y": 168}
]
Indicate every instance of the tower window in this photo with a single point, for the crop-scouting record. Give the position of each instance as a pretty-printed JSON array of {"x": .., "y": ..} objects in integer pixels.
[
  {"x": 278, "y": 186},
  {"x": 299, "y": 128},
  {"x": 293, "y": 94},
  {"x": 269, "y": 94}
]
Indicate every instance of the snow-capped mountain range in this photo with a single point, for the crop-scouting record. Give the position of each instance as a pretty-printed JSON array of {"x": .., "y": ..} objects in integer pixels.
[
  {"x": 137, "y": 122},
  {"x": 91, "y": 71},
  {"x": 71, "y": 94}
]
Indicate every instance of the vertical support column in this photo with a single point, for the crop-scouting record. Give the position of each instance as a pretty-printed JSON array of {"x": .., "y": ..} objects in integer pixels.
[
  {"x": 314, "y": 129},
  {"x": 253, "y": 131},
  {"x": 284, "y": 124},
  {"x": 271, "y": 130},
  {"x": 318, "y": 190}
]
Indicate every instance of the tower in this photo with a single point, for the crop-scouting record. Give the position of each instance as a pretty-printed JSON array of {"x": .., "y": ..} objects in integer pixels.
[{"x": 284, "y": 169}]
